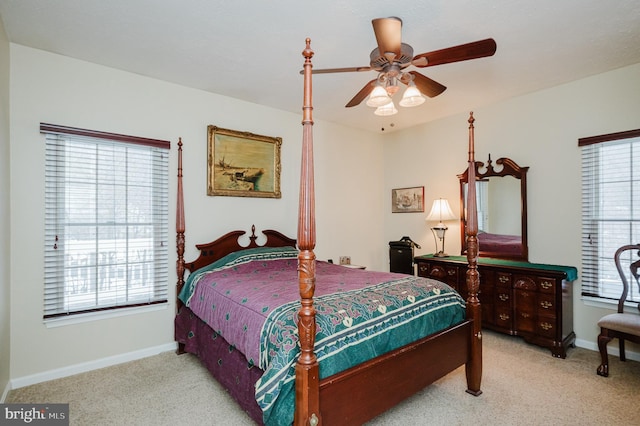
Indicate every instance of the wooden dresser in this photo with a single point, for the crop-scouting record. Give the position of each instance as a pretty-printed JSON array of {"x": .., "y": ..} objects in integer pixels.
[{"x": 525, "y": 299}]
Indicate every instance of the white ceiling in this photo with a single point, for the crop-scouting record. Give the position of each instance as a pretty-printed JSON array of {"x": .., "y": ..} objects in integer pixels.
[{"x": 251, "y": 49}]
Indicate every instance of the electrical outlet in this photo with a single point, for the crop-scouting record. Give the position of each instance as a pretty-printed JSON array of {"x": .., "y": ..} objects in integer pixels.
[{"x": 345, "y": 260}]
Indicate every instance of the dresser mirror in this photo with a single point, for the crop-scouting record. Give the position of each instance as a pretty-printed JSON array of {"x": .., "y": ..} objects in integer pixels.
[{"x": 502, "y": 209}]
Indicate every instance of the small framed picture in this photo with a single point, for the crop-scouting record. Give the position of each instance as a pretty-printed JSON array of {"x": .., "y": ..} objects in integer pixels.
[{"x": 407, "y": 200}]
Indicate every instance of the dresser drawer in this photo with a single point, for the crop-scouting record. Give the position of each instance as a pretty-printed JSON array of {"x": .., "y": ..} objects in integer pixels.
[
  {"x": 423, "y": 270},
  {"x": 503, "y": 279},
  {"x": 525, "y": 300},
  {"x": 447, "y": 274},
  {"x": 525, "y": 283},
  {"x": 451, "y": 276},
  {"x": 547, "y": 285},
  {"x": 503, "y": 318},
  {"x": 525, "y": 321},
  {"x": 546, "y": 327},
  {"x": 503, "y": 296},
  {"x": 547, "y": 304}
]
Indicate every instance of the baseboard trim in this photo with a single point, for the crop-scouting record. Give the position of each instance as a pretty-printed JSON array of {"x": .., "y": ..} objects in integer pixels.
[
  {"x": 87, "y": 366},
  {"x": 7, "y": 388},
  {"x": 612, "y": 349}
]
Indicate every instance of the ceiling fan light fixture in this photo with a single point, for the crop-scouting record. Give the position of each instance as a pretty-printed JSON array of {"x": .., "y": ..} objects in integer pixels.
[
  {"x": 392, "y": 89},
  {"x": 378, "y": 97},
  {"x": 412, "y": 96},
  {"x": 385, "y": 110}
]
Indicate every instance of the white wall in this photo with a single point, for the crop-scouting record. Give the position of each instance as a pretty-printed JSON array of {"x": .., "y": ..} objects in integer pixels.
[
  {"x": 4, "y": 212},
  {"x": 539, "y": 130},
  {"x": 355, "y": 172},
  {"x": 55, "y": 89}
]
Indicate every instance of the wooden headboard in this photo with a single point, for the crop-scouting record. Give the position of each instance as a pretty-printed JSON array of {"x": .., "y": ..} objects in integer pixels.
[{"x": 229, "y": 243}]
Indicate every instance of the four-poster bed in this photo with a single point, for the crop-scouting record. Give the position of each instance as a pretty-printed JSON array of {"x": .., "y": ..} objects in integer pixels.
[{"x": 316, "y": 388}]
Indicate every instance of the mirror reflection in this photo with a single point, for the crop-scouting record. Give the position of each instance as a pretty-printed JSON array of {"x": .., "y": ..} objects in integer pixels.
[{"x": 502, "y": 216}]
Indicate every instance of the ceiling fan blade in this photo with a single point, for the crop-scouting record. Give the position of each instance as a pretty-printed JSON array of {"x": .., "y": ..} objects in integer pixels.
[
  {"x": 334, "y": 70},
  {"x": 428, "y": 87},
  {"x": 361, "y": 95},
  {"x": 388, "y": 33},
  {"x": 463, "y": 52}
]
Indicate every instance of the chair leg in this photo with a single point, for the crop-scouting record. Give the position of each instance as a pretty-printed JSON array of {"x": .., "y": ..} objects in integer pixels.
[
  {"x": 603, "y": 340},
  {"x": 623, "y": 357}
]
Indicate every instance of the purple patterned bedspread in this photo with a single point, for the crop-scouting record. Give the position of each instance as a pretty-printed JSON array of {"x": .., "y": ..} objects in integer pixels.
[{"x": 248, "y": 293}]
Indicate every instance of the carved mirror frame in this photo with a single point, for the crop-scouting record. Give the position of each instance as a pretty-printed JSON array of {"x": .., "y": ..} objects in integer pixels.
[{"x": 509, "y": 168}]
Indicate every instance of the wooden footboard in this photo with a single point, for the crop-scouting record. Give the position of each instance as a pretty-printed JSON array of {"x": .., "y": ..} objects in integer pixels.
[{"x": 374, "y": 387}]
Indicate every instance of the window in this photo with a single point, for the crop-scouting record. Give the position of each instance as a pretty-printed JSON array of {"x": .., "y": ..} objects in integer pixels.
[
  {"x": 105, "y": 221},
  {"x": 610, "y": 210}
]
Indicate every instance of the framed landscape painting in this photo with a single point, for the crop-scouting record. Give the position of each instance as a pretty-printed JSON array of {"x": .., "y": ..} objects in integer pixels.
[
  {"x": 407, "y": 200},
  {"x": 242, "y": 164}
]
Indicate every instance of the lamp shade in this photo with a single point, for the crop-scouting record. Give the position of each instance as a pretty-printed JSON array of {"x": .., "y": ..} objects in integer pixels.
[
  {"x": 412, "y": 96},
  {"x": 388, "y": 109},
  {"x": 378, "y": 97},
  {"x": 440, "y": 211}
]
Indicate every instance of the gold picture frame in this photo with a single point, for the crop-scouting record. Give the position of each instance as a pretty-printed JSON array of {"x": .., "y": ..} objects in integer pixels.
[
  {"x": 407, "y": 200},
  {"x": 242, "y": 164}
]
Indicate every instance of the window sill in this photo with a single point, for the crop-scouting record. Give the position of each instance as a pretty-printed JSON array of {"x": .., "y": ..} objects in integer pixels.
[
  {"x": 97, "y": 316},
  {"x": 596, "y": 302}
]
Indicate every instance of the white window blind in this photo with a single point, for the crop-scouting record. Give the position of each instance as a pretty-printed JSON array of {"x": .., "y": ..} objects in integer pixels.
[
  {"x": 106, "y": 221},
  {"x": 610, "y": 210}
]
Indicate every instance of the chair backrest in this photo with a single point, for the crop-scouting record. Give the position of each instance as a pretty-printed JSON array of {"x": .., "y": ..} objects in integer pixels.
[{"x": 633, "y": 267}]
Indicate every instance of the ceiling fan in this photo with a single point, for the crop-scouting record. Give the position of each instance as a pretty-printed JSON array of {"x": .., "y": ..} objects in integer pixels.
[{"x": 390, "y": 59}]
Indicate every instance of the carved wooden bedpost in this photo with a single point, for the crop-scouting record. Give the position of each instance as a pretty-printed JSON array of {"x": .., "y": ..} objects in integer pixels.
[
  {"x": 180, "y": 227},
  {"x": 307, "y": 372},
  {"x": 474, "y": 366},
  {"x": 180, "y": 237}
]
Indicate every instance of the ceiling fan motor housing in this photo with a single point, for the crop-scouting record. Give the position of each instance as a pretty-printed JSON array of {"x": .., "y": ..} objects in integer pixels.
[{"x": 380, "y": 62}]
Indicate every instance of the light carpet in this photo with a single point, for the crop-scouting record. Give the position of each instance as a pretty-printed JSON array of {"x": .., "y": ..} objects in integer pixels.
[{"x": 522, "y": 385}]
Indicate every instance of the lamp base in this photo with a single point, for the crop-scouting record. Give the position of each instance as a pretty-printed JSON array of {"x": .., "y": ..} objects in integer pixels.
[{"x": 440, "y": 254}]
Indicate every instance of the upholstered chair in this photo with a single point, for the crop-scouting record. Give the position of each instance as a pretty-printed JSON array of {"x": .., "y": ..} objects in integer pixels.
[{"x": 621, "y": 325}]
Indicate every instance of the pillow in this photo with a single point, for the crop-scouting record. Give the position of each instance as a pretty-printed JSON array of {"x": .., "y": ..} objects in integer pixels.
[{"x": 233, "y": 259}]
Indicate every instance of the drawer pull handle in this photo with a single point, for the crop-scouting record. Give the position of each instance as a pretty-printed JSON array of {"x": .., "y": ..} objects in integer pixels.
[
  {"x": 503, "y": 297},
  {"x": 451, "y": 272},
  {"x": 503, "y": 279},
  {"x": 546, "y": 326},
  {"x": 546, "y": 285},
  {"x": 546, "y": 304},
  {"x": 504, "y": 317}
]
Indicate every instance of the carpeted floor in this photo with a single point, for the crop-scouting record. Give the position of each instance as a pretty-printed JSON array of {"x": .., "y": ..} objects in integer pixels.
[{"x": 522, "y": 385}]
